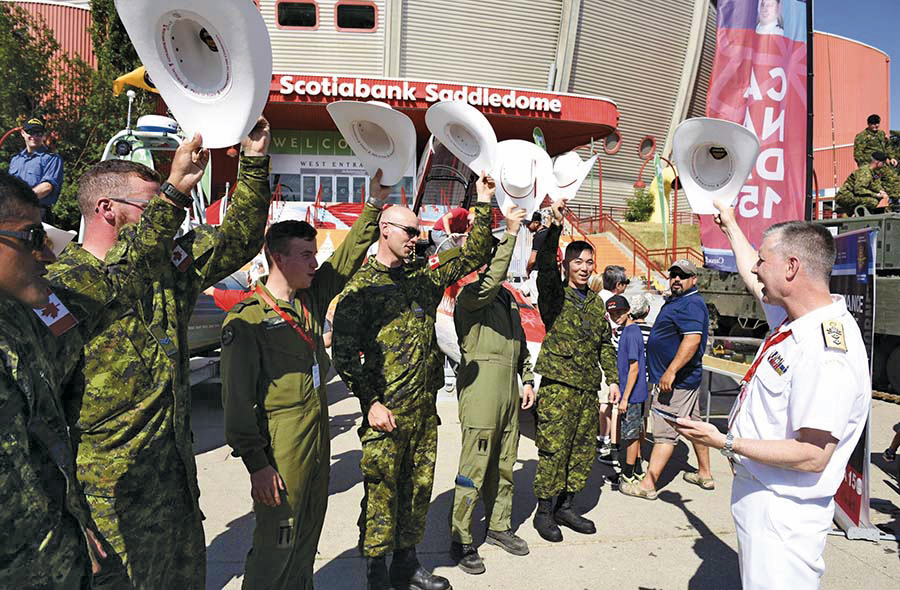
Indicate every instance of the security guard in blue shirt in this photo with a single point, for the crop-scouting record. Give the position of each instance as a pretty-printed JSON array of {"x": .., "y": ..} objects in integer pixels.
[{"x": 41, "y": 169}]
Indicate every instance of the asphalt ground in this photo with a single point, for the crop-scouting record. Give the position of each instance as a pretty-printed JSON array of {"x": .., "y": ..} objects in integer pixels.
[{"x": 685, "y": 539}]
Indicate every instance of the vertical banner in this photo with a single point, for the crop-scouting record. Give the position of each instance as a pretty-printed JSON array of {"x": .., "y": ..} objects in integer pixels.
[
  {"x": 854, "y": 278},
  {"x": 759, "y": 80}
]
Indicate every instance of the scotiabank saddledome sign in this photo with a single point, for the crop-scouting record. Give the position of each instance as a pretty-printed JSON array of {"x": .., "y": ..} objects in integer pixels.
[{"x": 411, "y": 93}]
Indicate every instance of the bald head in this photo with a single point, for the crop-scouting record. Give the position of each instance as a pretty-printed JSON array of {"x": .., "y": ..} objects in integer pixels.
[{"x": 401, "y": 215}]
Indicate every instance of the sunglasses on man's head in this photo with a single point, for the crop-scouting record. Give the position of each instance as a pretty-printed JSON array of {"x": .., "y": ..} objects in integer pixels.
[
  {"x": 34, "y": 237},
  {"x": 677, "y": 274},
  {"x": 411, "y": 232}
]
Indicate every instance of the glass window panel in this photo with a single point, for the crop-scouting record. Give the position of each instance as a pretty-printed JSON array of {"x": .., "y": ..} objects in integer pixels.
[{"x": 297, "y": 14}]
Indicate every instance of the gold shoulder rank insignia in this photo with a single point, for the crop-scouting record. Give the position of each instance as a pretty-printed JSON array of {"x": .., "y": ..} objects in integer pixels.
[{"x": 833, "y": 331}]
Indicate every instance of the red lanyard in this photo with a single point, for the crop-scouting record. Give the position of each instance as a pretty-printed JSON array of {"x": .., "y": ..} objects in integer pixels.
[
  {"x": 773, "y": 339},
  {"x": 287, "y": 318}
]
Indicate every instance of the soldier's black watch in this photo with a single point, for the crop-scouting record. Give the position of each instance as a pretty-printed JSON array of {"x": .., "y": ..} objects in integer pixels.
[{"x": 175, "y": 195}]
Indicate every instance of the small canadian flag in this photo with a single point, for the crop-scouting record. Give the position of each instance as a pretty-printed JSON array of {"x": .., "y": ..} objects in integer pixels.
[
  {"x": 181, "y": 259},
  {"x": 434, "y": 262},
  {"x": 56, "y": 316}
]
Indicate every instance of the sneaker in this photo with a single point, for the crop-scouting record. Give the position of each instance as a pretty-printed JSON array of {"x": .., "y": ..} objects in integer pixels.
[
  {"x": 604, "y": 449},
  {"x": 608, "y": 454},
  {"x": 635, "y": 478},
  {"x": 467, "y": 558},
  {"x": 889, "y": 455},
  {"x": 634, "y": 489},
  {"x": 508, "y": 541},
  {"x": 701, "y": 482}
]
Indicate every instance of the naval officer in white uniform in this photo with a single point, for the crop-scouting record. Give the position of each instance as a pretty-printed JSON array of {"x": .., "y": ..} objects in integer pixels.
[{"x": 801, "y": 410}]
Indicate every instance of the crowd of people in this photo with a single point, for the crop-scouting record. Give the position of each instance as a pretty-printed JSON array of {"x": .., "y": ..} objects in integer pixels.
[{"x": 99, "y": 478}]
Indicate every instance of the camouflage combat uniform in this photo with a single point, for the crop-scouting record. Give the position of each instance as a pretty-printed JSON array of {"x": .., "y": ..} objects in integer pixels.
[
  {"x": 864, "y": 145},
  {"x": 276, "y": 416},
  {"x": 860, "y": 188},
  {"x": 43, "y": 512},
  {"x": 388, "y": 315},
  {"x": 575, "y": 355},
  {"x": 494, "y": 354},
  {"x": 135, "y": 454}
]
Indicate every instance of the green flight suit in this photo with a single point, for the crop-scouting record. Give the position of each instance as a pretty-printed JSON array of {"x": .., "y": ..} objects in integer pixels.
[
  {"x": 43, "y": 512},
  {"x": 494, "y": 354},
  {"x": 388, "y": 315},
  {"x": 275, "y": 415},
  {"x": 135, "y": 451},
  {"x": 864, "y": 145},
  {"x": 860, "y": 188},
  {"x": 575, "y": 355}
]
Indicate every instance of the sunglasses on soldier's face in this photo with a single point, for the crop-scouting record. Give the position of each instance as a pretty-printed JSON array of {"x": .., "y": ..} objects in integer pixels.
[
  {"x": 34, "y": 237},
  {"x": 411, "y": 232}
]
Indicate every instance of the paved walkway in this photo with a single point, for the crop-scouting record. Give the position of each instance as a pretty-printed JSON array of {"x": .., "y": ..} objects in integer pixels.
[{"x": 684, "y": 540}]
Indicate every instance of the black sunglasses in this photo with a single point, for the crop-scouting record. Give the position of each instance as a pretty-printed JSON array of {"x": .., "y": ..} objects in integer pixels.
[
  {"x": 411, "y": 232},
  {"x": 677, "y": 274},
  {"x": 34, "y": 238}
]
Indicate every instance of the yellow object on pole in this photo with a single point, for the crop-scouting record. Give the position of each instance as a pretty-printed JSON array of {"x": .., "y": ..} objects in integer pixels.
[
  {"x": 137, "y": 78},
  {"x": 668, "y": 177}
]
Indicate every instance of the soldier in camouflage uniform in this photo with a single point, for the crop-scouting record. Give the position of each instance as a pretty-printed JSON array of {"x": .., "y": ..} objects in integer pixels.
[
  {"x": 387, "y": 313},
  {"x": 273, "y": 389},
  {"x": 49, "y": 539},
  {"x": 862, "y": 188},
  {"x": 494, "y": 355},
  {"x": 576, "y": 354},
  {"x": 135, "y": 452},
  {"x": 871, "y": 140}
]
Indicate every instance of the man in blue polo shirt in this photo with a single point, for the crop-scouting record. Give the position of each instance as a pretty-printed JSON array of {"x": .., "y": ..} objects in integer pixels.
[
  {"x": 40, "y": 169},
  {"x": 675, "y": 367}
]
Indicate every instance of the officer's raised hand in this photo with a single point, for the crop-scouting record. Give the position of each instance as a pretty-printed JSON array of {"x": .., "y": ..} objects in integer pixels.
[
  {"x": 556, "y": 208},
  {"x": 514, "y": 218},
  {"x": 725, "y": 218},
  {"x": 378, "y": 193},
  {"x": 380, "y": 418},
  {"x": 485, "y": 187},
  {"x": 265, "y": 484},
  {"x": 257, "y": 141},
  {"x": 188, "y": 164}
]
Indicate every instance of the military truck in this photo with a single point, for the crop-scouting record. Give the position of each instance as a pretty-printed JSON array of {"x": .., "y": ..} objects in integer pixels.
[{"x": 735, "y": 312}]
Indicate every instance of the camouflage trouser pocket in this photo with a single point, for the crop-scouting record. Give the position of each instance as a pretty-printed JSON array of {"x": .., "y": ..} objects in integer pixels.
[{"x": 378, "y": 455}]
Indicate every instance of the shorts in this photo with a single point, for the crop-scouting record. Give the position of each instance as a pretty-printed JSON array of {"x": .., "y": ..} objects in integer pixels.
[
  {"x": 633, "y": 422},
  {"x": 603, "y": 393},
  {"x": 681, "y": 402}
]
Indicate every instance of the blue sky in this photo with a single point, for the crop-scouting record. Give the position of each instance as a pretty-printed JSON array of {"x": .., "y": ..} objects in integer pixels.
[{"x": 873, "y": 22}]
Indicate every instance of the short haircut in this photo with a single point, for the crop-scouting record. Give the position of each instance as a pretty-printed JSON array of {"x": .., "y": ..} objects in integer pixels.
[
  {"x": 873, "y": 120},
  {"x": 279, "y": 236},
  {"x": 640, "y": 306},
  {"x": 574, "y": 250},
  {"x": 612, "y": 276},
  {"x": 110, "y": 179},
  {"x": 811, "y": 243},
  {"x": 15, "y": 194}
]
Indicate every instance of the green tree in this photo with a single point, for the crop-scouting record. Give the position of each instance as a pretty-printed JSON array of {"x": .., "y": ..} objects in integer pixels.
[
  {"x": 27, "y": 50},
  {"x": 640, "y": 208}
]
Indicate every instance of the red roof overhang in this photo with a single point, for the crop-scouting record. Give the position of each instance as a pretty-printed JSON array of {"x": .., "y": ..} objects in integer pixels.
[{"x": 567, "y": 120}]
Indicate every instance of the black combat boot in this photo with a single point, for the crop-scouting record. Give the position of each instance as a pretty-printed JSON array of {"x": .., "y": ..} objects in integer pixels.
[
  {"x": 377, "y": 574},
  {"x": 543, "y": 521},
  {"x": 565, "y": 515},
  {"x": 408, "y": 574},
  {"x": 466, "y": 557}
]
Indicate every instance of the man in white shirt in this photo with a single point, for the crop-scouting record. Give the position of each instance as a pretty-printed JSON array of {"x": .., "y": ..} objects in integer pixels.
[{"x": 801, "y": 410}]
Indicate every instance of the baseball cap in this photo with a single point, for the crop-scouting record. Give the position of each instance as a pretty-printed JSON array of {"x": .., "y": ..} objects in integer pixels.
[
  {"x": 685, "y": 266},
  {"x": 617, "y": 303},
  {"x": 536, "y": 217},
  {"x": 33, "y": 125},
  {"x": 879, "y": 156}
]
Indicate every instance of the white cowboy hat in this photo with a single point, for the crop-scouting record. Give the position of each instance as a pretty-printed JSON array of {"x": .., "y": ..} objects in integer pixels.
[
  {"x": 211, "y": 61},
  {"x": 570, "y": 171},
  {"x": 380, "y": 136},
  {"x": 58, "y": 238},
  {"x": 524, "y": 175},
  {"x": 713, "y": 159},
  {"x": 466, "y": 133}
]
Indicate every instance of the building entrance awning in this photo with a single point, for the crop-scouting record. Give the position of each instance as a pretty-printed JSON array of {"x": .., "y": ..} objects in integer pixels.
[{"x": 297, "y": 101}]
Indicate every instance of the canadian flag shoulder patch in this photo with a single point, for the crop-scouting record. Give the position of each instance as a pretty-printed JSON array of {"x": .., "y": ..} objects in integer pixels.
[
  {"x": 56, "y": 316},
  {"x": 434, "y": 262},
  {"x": 180, "y": 258}
]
